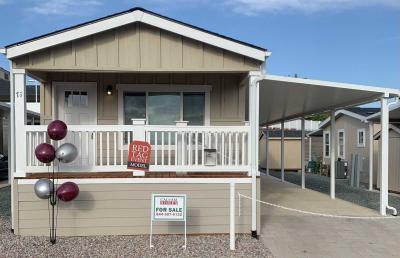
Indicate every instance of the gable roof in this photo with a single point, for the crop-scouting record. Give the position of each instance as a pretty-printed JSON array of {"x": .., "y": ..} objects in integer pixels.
[
  {"x": 128, "y": 17},
  {"x": 392, "y": 127},
  {"x": 394, "y": 113},
  {"x": 354, "y": 112},
  {"x": 363, "y": 111}
]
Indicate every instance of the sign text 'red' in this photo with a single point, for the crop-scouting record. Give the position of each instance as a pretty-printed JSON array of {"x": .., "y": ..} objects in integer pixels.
[{"x": 139, "y": 155}]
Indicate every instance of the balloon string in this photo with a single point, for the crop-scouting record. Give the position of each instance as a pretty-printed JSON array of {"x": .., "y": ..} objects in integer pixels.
[
  {"x": 48, "y": 202},
  {"x": 58, "y": 171}
]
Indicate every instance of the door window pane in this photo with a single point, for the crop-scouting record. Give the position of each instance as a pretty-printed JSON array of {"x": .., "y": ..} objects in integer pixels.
[
  {"x": 193, "y": 108},
  {"x": 134, "y": 106},
  {"x": 164, "y": 108}
]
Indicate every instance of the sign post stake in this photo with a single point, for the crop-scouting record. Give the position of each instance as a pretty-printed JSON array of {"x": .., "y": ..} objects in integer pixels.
[{"x": 168, "y": 207}]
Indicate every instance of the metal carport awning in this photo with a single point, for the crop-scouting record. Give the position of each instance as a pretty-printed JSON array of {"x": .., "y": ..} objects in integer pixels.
[
  {"x": 276, "y": 99},
  {"x": 286, "y": 98}
]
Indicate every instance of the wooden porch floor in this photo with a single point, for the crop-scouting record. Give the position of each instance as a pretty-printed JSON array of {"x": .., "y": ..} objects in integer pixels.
[{"x": 66, "y": 175}]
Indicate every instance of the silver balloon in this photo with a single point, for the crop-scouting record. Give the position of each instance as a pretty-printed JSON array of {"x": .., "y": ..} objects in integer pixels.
[
  {"x": 43, "y": 188},
  {"x": 66, "y": 153}
]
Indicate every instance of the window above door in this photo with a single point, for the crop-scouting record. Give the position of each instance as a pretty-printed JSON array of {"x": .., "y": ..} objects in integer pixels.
[{"x": 164, "y": 104}]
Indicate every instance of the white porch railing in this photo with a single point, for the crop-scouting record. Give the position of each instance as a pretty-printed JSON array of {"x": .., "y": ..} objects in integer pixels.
[{"x": 103, "y": 148}]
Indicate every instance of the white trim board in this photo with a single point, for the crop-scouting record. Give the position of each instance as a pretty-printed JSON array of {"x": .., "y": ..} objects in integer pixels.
[
  {"x": 145, "y": 181},
  {"x": 385, "y": 91},
  {"x": 343, "y": 112},
  {"x": 131, "y": 17}
]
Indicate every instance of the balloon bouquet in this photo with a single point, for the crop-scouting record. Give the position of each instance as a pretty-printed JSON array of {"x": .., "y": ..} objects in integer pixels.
[{"x": 45, "y": 187}]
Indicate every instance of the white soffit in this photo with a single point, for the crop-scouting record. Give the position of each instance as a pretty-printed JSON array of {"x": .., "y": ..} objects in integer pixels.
[
  {"x": 286, "y": 98},
  {"x": 131, "y": 17}
]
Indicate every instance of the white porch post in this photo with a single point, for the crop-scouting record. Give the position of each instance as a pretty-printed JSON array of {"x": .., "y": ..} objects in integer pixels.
[
  {"x": 267, "y": 151},
  {"x": 371, "y": 155},
  {"x": 333, "y": 154},
  {"x": 309, "y": 148},
  {"x": 384, "y": 158},
  {"x": 303, "y": 150},
  {"x": 20, "y": 121},
  {"x": 283, "y": 151},
  {"x": 254, "y": 131}
]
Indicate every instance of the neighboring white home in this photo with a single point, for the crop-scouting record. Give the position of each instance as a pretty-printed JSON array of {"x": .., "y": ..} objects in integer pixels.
[
  {"x": 353, "y": 134},
  {"x": 136, "y": 75}
]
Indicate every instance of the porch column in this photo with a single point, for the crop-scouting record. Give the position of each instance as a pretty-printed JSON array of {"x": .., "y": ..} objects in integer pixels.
[
  {"x": 19, "y": 121},
  {"x": 254, "y": 131},
  {"x": 333, "y": 153},
  {"x": 283, "y": 151},
  {"x": 303, "y": 150},
  {"x": 371, "y": 155},
  {"x": 384, "y": 158},
  {"x": 267, "y": 151}
]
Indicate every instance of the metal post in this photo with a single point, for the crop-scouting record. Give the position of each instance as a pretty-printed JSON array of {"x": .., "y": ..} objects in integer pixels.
[
  {"x": 371, "y": 155},
  {"x": 232, "y": 217},
  {"x": 309, "y": 148},
  {"x": 384, "y": 159},
  {"x": 283, "y": 151},
  {"x": 254, "y": 131},
  {"x": 333, "y": 154},
  {"x": 303, "y": 150},
  {"x": 267, "y": 151}
]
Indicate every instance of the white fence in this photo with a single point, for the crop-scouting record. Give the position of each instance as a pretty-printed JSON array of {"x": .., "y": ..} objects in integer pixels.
[{"x": 104, "y": 148}]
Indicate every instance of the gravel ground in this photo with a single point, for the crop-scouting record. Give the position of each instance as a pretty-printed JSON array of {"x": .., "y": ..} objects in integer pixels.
[
  {"x": 121, "y": 246},
  {"x": 345, "y": 192}
]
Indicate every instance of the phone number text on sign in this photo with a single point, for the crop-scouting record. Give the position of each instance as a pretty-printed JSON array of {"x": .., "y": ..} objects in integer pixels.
[{"x": 168, "y": 207}]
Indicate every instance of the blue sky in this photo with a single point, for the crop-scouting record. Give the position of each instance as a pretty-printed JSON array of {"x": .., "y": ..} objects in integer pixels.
[{"x": 356, "y": 41}]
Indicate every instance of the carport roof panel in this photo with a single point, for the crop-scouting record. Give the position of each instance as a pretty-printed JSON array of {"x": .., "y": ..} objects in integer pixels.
[{"x": 286, "y": 98}]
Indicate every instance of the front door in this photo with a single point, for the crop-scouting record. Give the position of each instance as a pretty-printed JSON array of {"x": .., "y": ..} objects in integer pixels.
[{"x": 77, "y": 105}]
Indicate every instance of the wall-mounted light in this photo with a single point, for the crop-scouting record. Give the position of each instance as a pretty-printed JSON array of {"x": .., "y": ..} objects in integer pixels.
[{"x": 109, "y": 90}]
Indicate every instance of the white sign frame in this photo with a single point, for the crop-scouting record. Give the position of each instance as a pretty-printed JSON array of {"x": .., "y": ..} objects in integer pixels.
[{"x": 152, "y": 217}]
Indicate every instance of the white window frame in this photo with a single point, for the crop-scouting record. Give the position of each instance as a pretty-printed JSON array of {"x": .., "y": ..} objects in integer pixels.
[
  {"x": 329, "y": 144},
  {"x": 362, "y": 145},
  {"x": 121, "y": 88},
  {"x": 344, "y": 144}
]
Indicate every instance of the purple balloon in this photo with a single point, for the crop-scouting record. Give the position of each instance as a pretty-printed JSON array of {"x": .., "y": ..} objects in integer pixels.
[
  {"x": 45, "y": 153},
  {"x": 67, "y": 191},
  {"x": 57, "y": 130}
]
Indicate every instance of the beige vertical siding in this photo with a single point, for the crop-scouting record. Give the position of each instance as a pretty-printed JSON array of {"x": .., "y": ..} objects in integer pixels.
[
  {"x": 124, "y": 209},
  {"x": 350, "y": 126},
  {"x": 292, "y": 153},
  {"x": 227, "y": 97},
  {"x": 136, "y": 47},
  {"x": 394, "y": 162}
]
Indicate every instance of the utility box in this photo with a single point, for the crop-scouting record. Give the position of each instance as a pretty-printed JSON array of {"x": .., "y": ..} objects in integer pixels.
[
  {"x": 341, "y": 169},
  {"x": 210, "y": 158}
]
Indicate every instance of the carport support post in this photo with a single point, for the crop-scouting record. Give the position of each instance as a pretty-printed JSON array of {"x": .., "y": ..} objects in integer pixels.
[
  {"x": 371, "y": 154},
  {"x": 303, "y": 150},
  {"x": 254, "y": 78},
  {"x": 333, "y": 152},
  {"x": 384, "y": 159},
  {"x": 267, "y": 150},
  {"x": 283, "y": 151}
]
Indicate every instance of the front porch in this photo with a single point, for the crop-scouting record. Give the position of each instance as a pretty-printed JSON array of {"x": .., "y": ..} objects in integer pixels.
[{"x": 103, "y": 148}]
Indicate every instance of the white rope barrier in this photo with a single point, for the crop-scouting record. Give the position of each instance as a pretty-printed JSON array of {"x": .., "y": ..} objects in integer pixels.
[{"x": 313, "y": 213}]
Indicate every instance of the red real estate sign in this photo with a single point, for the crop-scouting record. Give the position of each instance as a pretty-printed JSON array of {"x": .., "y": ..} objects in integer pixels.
[{"x": 139, "y": 155}]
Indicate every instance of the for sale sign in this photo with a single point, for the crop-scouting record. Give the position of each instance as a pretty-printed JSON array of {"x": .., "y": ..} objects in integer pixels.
[
  {"x": 139, "y": 155},
  {"x": 168, "y": 207}
]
